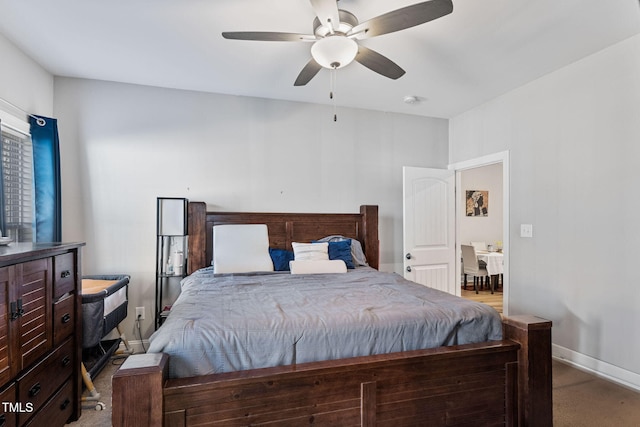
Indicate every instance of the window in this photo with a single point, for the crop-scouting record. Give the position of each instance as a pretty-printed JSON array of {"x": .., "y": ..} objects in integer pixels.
[{"x": 17, "y": 190}]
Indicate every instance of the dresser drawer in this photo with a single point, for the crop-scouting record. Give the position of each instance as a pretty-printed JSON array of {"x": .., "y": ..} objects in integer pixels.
[
  {"x": 56, "y": 411},
  {"x": 63, "y": 319},
  {"x": 8, "y": 417},
  {"x": 64, "y": 277},
  {"x": 39, "y": 383}
]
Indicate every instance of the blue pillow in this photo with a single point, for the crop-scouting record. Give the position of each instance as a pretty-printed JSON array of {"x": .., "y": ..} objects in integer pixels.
[
  {"x": 280, "y": 258},
  {"x": 340, "y": 250}
]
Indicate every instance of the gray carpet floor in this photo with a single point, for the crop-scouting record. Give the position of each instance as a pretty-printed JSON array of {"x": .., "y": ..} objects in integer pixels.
[
  {"x": 99, "y": 418},
  {"x": 579, "y": 399},
  {"x": 584, "y": 400}
]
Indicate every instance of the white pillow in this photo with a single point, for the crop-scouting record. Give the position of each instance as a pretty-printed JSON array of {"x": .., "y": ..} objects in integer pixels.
[
  {"x": 316, "y": 267},
  {"x": 310, "y": 251},
  {"x": 241, "y": 248}
]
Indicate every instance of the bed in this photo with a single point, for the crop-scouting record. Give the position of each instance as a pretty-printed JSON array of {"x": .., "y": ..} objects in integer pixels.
[{"x": 485, "y": 382}]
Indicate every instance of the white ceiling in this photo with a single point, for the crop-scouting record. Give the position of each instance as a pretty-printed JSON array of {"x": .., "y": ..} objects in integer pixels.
[{"x": 483, "y": 49}]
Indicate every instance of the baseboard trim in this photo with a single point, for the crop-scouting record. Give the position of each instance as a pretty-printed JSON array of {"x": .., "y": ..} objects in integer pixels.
[
  {"x": 597, "y": 367},
  {"x": 139, "y": 346}
]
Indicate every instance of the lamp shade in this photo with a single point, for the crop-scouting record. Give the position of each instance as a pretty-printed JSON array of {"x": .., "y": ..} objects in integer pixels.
[
  {"x": 334, "y": 51},
  {"x": 172, "y": 216}
]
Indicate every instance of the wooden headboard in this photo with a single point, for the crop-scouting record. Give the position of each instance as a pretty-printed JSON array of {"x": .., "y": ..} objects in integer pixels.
[{"x": 284, "y": 228}]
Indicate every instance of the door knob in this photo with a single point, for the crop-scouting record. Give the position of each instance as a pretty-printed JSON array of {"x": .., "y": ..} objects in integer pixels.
[
  {"x": 408, "y": 256},
  {"x": 409, "y": 269}
]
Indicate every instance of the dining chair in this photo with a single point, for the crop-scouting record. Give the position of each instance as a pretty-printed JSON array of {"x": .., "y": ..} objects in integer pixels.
[
  {"x": 480, "y": 246},
  {"x": 472, "y": 268}
]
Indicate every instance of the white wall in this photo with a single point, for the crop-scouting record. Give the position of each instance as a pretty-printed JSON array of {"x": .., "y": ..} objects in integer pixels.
[
  {"x": 24, "y": 83},
  {"x": 574, "y": 151},
  {"x": 124, "y": 145},
  {"x": 481, "y": 229}
]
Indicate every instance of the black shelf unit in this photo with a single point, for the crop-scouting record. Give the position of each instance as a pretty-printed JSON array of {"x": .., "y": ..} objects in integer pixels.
[{"x": 171, "y": 253}]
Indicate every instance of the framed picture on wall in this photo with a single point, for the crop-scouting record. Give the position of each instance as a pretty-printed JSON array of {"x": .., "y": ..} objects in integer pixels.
[{"x": 477, "y": 203}]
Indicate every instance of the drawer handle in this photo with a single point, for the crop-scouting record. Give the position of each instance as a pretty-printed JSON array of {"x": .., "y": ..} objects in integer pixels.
[
  {"x": 33, "y": 391},
  {"x": 14, "y": 310},
  {"x": 65, "y": 404},
  {"x": 66, "y": 318},
  {"x": 20, "y": 310},
  {"x": 66, "y": 361},
  {"x": 65, "y": 274}
]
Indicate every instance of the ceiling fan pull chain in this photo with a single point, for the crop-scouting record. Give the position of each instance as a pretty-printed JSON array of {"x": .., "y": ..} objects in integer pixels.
[
  {"x": 332, "y": 80},
  {"x": 333, "y": 88}
]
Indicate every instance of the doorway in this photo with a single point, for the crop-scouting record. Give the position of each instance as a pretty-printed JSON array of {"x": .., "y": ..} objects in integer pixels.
[{"x": 500, "y": 211}]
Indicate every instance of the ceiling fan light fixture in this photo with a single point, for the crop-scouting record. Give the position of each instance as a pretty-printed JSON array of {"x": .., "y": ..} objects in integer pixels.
[
  {"x": 335, "y": 32},
  {"x": 334, "y": 51}
]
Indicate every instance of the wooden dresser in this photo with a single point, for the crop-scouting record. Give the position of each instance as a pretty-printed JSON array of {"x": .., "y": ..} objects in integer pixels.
[{"x": 40, "y": 333}]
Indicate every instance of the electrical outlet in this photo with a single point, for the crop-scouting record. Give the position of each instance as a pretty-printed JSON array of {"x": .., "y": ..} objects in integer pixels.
[{"x": 140, "y": 313}]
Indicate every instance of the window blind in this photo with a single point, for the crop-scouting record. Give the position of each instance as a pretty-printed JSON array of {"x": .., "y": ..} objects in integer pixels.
[{"x": 16, "y": 153}]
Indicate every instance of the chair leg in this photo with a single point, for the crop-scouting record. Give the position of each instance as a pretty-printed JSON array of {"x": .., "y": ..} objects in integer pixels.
[
  {"x": 491, "y": 281},
  {"x": 465, "y": 282},
  {"x": 475, "y": 283}
]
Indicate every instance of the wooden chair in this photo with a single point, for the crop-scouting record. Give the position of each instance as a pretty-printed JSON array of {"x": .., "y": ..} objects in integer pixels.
[{"x": 471, "y": 267}]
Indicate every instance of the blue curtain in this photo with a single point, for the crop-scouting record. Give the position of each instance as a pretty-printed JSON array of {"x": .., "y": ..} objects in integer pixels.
[{"x": 46, "y": 165}]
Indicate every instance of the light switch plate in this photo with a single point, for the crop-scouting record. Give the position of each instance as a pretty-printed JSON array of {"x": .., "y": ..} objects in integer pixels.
[{"x": 526, "y": 230}]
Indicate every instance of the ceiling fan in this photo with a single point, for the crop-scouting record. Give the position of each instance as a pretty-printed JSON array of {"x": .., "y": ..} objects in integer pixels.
[{"x": 335, "y": 32}]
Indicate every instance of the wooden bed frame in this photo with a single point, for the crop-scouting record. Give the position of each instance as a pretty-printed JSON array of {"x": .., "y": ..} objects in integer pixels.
[{"x": 504, "y": 382}]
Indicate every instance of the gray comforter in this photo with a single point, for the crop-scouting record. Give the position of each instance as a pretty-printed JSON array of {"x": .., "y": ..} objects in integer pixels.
[{"x": 223, "y": 323}]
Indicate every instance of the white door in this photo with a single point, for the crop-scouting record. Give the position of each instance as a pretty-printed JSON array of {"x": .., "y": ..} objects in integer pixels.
[{"x": 429, "y": 227}]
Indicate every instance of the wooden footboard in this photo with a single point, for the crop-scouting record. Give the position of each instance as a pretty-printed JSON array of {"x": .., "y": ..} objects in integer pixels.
[{"x": 497, "y": 383}]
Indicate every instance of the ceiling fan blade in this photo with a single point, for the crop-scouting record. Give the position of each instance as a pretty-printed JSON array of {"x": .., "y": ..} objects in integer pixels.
[
  {"x": 378, "y": 63},
  {"x": 308, "y": 72},
  {"x": 269, "y": 36},
  {"x": 327, "y": 12},
  {"x": 403, "y": 18}
]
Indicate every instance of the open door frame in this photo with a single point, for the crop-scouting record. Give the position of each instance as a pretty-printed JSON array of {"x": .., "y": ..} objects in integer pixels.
[{"x": 501, "y": 157}]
